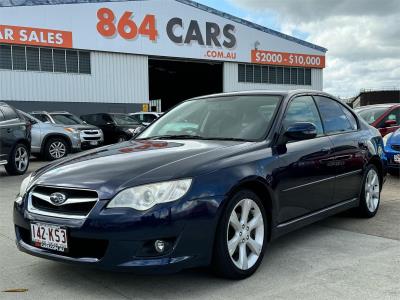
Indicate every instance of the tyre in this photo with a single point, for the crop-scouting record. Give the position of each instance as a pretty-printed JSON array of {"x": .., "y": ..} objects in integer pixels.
[
  {"x": 55, "y": 148},
  {"x": 241, "y": 237},
  {"x": 18, "y": 161},
  {"x": 394, "y": 172},
  {"x": 370, "y": 193}
]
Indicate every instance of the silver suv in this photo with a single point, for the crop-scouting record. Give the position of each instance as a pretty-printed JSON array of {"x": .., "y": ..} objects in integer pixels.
[
  {"x": 90, "y": 136},
  {"x": 52, "y": 141}
]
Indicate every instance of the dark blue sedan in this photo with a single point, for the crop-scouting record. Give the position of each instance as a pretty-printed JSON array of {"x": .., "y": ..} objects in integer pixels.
[
  {"x": 392, "y": 149},
  {"x": 210, "y": 183}
]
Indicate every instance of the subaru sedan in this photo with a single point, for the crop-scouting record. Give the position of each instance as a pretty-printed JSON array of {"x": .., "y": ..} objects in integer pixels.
[{"x": 248, "y": 168}]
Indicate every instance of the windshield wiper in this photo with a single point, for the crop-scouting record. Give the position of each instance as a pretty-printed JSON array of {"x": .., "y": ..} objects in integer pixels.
[{"x": 192, "y": 137}]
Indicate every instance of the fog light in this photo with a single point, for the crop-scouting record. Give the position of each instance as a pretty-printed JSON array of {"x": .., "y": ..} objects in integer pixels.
[{"x": 159, "y": 245}]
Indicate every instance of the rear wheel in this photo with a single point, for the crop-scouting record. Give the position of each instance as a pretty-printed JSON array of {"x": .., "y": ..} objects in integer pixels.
[
  {"x": 394, "y": 172},
  {"x": 370, "y": 194},
  {"x": 241, "y": 237},
  {"x": 18, "y": 161},
  {"x": 55, "y": 148}
]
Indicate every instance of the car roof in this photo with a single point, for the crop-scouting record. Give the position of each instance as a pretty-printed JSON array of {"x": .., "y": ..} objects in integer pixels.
[
  {"x": 283, "y": 93},
  {"x": 383, "y": 105}
]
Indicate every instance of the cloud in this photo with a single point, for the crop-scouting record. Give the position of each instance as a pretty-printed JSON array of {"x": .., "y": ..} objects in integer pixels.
[{"x": 362, "y": 37}]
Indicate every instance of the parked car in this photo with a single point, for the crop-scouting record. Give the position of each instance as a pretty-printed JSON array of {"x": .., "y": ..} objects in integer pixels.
[
  {"x": 146, "y": 117},
  {"x": 15, "y": 140},
  {"x": 392, "y": 150},
  {"x": 258, "y": 165},
  {"x": 90, "y": 135},
  {"x": 52, "y": 141},
  {"x": 116, "y": 127},
  {"x": 385, "y": 117}
]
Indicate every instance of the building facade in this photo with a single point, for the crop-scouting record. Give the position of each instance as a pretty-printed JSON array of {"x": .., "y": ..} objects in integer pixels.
[{"x": 116, "y": 56}]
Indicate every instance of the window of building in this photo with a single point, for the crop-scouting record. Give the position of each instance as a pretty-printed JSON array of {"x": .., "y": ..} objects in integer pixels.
[
  {"x": 5, "y": 57},
  {"x": 27, "y": 58},
  {"x": 32, "y": 59},
  {"x": 274, "y": 74},
  {"x": 18, "y": 58}
]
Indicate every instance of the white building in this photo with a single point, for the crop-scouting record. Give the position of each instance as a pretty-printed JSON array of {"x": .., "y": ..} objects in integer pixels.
[{"x": 116, "y": 56}]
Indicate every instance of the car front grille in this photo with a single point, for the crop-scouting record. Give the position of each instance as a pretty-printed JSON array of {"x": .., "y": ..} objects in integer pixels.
[
  {"x": 91, "y": 132},
  {"x": 396, "y": 147},
  {"x": 77, "y": 205}
]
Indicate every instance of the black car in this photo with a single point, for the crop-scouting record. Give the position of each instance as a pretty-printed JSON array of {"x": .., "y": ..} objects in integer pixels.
[
  {"x": 247, "y": 168},
  {"x": 15, "y": 140},
  {"x": 116, "y": 127}
]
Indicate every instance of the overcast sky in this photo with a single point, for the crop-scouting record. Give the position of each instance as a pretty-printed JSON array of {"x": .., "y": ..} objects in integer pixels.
[{"x": 362, "y": 36}]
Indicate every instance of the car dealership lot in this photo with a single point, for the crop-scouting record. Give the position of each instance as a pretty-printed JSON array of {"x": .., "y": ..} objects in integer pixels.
[{"x": 342, "y": 257}]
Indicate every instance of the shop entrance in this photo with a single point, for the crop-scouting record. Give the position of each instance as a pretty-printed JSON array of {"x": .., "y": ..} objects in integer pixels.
[{"x": 173, "y": 81}]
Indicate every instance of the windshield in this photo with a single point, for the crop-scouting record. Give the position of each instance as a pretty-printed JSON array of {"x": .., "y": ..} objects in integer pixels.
[
  {"x": 371, "y": 114},
  {"x": 66, "y": 119},
  {"x": 121, "y": 119},
  {"x": 230, "y": 117}
]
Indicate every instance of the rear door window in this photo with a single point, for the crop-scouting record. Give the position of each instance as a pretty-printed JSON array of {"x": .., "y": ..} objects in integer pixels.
[{"x": 333, "y": 116}]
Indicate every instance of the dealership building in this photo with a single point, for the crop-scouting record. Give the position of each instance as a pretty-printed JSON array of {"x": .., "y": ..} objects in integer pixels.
[{"x": 122, "y": 56}]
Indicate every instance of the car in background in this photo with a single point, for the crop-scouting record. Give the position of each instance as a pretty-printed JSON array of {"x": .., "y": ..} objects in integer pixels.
[
  {"x": 117, "y": 127},
  {"x": 392, "y": 150},
  {"x": 52, "y": 141},
  {"x": 146, "y": 117},
  {"x": 15, "y": 140},
  {"x": 90, "y": 135},
  {"x": 385, "y": 117}
]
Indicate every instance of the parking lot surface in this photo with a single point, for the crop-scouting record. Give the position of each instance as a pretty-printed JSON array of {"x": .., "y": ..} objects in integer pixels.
[{"x": 340, "y": 258}]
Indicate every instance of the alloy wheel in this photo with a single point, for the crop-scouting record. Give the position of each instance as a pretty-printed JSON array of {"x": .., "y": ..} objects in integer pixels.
[
  {"x": 245, "y": 234},
  {"x": 57, "y": 150},
  {"x": 21, "y": 159},
  {"x": 372, "y": 190}
]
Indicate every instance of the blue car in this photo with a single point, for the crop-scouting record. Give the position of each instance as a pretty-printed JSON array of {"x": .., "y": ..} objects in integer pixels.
[
  {"x": 392, "y": 150},
  {"x": 246, "y": 168}
]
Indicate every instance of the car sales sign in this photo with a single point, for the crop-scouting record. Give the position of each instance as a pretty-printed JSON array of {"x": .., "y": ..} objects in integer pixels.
[{"x": 154, "y": 27}]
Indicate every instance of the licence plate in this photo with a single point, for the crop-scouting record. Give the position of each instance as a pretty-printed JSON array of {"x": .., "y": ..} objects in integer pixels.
[
  {"x": 52, "y": 237},
  {"x": 94, "y": 143},
  {"x": 397, "y": 158}
]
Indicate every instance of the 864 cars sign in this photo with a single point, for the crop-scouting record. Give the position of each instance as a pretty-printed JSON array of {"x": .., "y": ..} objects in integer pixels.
[{"x": 166, "y": 28}]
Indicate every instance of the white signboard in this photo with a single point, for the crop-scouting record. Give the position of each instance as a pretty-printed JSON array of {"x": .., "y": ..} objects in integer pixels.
[{"x": 155, "y": 27}]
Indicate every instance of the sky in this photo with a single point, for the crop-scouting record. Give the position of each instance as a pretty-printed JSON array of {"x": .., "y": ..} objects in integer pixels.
[{"x": 362, "y": 36}]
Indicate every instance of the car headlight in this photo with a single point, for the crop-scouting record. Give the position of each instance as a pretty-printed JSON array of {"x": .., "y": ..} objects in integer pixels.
[
  {"x": 131, "y": 130},
  {"x": 386, "y": 138},
  {"x": 146, "y": 196},
  {"x": 23, "y": 188}
]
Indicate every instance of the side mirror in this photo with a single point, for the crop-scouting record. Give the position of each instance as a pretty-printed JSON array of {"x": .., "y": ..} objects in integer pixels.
[
  {"x": 390, "y": 123},
  {"x": 301, "y": 131}
]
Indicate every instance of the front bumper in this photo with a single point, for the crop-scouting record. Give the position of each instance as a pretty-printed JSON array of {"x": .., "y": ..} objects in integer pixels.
[{"x": 122, "y": 239}]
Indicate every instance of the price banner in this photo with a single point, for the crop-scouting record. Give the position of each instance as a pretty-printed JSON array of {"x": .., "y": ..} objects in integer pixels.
[{"x": 287, "y": 59}]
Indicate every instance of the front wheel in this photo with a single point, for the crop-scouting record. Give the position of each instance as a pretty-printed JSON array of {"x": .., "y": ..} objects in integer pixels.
[
  {"x": 55, "y": 148},
  {"x": 241, "y": 237},
  {"x": 370, "y": 194}
]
